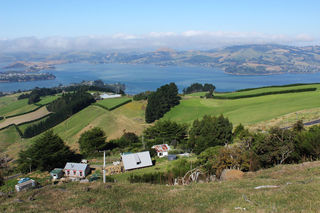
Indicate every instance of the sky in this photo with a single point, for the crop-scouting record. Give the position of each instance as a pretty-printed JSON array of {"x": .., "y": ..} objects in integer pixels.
[{"x": 177, "y": 23}]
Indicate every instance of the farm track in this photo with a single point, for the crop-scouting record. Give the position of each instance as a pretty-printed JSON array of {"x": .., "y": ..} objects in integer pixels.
[{"x": 25, "y": 118}]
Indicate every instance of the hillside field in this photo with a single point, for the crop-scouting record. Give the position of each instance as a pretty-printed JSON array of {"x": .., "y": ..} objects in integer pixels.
[
  {"x": 112, "y": 103},
  {"x": 247, "y": 111},
  {"x": 256, "y": 112}
]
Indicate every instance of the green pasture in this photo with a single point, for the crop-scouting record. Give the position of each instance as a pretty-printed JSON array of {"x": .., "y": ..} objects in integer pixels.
[
  {"x": 112, "y": 102},
  {"x": 265, "y": 90},
  {"x": 9, "y": 105},
  {"x": 245, "y": 110},
  {"x": 47, "y": 99},
  {"x": 8, "y": 136}
]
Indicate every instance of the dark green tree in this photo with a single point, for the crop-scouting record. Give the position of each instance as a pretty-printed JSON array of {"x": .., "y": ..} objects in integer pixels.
[
  {"x": 92, "y": 141},
  {"x": 167, "y": 131},
  {"x": 161, "y": 101},
  {"x": 46, "y": 153},
  {"x": 210, "y": 132}
]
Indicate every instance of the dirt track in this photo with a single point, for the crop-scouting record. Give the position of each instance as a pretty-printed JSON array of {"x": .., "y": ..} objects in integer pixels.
[{"x": 25, "y": 118}]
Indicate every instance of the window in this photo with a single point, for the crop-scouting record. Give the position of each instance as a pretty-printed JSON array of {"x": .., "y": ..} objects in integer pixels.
[
  {"x": 68, "y": 172},
  {"x": 74, "y": 172},
  {"x": 80, "y": 173}
]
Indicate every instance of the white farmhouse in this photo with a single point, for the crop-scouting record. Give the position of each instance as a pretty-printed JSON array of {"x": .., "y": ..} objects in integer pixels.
[
  {"x": 162, "y": 150},
  {"x": 79, "y": 170}
]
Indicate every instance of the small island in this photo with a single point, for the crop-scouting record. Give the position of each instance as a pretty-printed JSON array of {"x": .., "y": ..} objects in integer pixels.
[{"x": 13, "y": 76}]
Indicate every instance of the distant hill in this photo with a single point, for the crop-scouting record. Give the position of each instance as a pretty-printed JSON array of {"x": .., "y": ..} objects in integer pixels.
[{"x": 239, "y": 60}]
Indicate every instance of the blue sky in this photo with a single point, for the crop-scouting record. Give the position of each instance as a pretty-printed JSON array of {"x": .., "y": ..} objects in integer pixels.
[
  {"x": 42, "y": 18},
  {"x": 75, "y": 18}
]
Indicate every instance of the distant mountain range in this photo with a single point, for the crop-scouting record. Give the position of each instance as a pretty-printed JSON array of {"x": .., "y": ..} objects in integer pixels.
[{"x": 239, "y": 60}]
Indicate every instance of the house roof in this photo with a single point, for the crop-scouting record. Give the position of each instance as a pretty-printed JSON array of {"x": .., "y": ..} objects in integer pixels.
[
  {"x": 161, "y": 147},
  {"x": 136, "y": 160},
  {"x": 76, "y": 166}
]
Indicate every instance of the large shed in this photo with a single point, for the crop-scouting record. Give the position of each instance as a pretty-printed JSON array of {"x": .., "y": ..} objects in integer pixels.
[
  {"x": 136, "y": 160},
  {"x": 80, "y": 170}
]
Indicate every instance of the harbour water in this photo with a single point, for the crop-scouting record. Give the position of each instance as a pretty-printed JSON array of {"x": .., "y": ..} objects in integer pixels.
[{"x": 138, "y": 78}]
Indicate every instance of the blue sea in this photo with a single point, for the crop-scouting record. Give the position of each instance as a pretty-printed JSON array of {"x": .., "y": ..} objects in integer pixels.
[{"x": 138, "y": 78}]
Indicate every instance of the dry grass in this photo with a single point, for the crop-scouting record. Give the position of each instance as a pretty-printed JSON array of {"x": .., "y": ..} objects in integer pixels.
[
  {"x": 25, "y": 118},
  {"x": 299, "y": 191},
  {"x": 288, "y": 119}
]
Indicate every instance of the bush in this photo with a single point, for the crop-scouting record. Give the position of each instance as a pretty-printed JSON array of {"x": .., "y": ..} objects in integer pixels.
[
  {"x": 210, "y": 132},
  {"x": 46, "y": 153},
  {"x": 92, "y": 141}
]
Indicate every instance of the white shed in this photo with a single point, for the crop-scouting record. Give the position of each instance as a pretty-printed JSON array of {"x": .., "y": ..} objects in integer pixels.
[{"x": 136, "y": 160}]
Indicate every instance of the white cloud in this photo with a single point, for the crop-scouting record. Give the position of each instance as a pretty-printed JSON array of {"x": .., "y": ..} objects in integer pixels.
[{"x": 185, "y": 40}]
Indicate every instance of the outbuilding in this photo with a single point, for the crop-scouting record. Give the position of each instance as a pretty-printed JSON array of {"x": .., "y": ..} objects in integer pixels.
[
  {"x": 25, "y": 185},
  {"x": 80, "y": 170},
  {"x": 57, "y": 173},
  {"x": 136, "y": 160},
  {"x": 162, "y": 150}
]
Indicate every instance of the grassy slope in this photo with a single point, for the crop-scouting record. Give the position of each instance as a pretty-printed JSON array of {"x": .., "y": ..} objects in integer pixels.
[
  {"x": 11, "y": 106},
  {"x": 129, "y": 117},
  {"x": 112, "y": 102},
  {"x": 47, "y": 99},
  {"x": 246, "y": 110},
  {"x": 299, "y": 191},
  {"x": 8, "y": 137}
]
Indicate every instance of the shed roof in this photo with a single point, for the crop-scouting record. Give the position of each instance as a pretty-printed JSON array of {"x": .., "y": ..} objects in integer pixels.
[
  {"x": 136, "y": 160},
  {"x": 76, "y": 166},
  {"x": 56, "y": 171},
  {"x": 161, "y": 147}
]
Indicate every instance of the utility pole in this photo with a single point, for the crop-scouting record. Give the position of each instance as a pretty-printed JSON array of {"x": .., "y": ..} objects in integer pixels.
[
  {"x": 104, "y": 165},
  {"x": 144, "y": 145}
]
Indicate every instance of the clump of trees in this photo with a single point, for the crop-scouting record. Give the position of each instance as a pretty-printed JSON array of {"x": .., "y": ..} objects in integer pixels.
[
  {"x": 46, "y": 153},
  {"x": 196, "y": 87},
  {"x": 92, "y": 141},
  {"x": 209, "y": 132},
  {"x": 36, "y": 93},
  {"x": 161, "y": 101},
  {"x": 62, "y": 108},
  {"x": 263, "y": 150},
  {"x": 167, "y": 131}
]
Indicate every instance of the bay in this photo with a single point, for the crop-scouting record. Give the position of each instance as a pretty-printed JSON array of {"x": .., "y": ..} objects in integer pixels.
[{"x": 138, "y": 78}]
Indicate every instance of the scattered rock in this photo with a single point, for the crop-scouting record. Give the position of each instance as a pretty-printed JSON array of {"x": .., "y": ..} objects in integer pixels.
[
  {"x": 84, "y": 181},
  {"x": 231, "y": 174},
  {"x": 240, "y": 208},
  {"x": 108, "y": 186},
  {"x": 18, "y": 201},
  {"x": 267, "y": 187}
]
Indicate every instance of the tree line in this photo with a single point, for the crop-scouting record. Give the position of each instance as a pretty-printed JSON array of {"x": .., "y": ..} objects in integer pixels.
[
  {"x": 197, "y": 87},
  {"x": 62, "y": 108}
]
